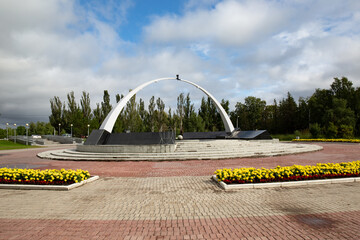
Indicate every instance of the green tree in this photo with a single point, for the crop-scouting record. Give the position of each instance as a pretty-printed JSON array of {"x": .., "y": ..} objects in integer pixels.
[
  {"x": 250, "y": 114},
  {"x": 343, "y": 89},
  {"x": 180, "y": 110},
  {"x": 105, "y": 105},
  {"x": 132, "y": 118},
  {"x": 319, "y": 103},
  {"x": 151, "y": 121},
  {"x": 342, "y": 117},
  {"x": 287, "y": 114},
  {"x": 20, "y": 130},
  {"x": 204, "y": 113},
  {"x": 120, "y": 121},
  {"x": 302, "y": 114},
  {"x": 98, "y": 117},
  {"x": 57, "y": 112},
  {"x": 188, "y": 110},
  {"x": 74, "y": 116},
  {"x": 161, "y": 115},
  {"x": 143, "y": 115}
]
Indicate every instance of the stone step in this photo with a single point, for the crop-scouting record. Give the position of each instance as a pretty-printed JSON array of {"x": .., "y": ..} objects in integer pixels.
[
  {"x": 191, "y": 150},
  {"x": 213, "y": 152}
]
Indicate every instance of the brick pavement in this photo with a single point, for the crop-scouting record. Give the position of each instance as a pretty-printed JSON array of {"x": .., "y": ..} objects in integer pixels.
[
  {"x": 178, "y": 206},
  {"x": 333, "y": 152}
]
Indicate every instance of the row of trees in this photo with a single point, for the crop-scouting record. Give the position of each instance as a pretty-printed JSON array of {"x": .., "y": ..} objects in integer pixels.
[
  {"x": 333, "y": 112},
  {"x": 135, "y": 117},
  {"x": 38, "y": 128}
]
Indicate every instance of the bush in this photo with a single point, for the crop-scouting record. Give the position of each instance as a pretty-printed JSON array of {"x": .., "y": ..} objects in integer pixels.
[
  {"x": 346, "y": 131},
  {"x": 331, "y": 131},
  {"x": 315, "y": 130}
]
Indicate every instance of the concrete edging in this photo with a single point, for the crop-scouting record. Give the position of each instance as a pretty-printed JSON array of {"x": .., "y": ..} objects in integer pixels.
[
  {"x": 48, "y": 187},
  {"x": 284, "y": 184}
]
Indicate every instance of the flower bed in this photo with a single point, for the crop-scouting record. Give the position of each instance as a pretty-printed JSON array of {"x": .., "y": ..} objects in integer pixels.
[
  {"x": 327, "y": 140},
  {"x": 292, "y": 173},
  {"x": 42, "y": 177}
]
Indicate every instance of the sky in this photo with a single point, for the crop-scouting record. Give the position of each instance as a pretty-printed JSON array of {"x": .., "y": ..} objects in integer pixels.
[{"x": 231, "y": 48}]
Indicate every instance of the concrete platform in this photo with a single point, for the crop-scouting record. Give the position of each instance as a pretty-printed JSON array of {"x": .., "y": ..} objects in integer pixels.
[{"x": 190, "y": 150}]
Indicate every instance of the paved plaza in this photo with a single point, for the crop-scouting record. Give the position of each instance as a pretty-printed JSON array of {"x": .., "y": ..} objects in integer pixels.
[{"x": 177, "y": 200}]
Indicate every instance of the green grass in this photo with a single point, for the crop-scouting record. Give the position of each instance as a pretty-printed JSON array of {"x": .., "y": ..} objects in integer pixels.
[
  {"x": 289, "y": 137},
  {"x": 8, "y": 145}
]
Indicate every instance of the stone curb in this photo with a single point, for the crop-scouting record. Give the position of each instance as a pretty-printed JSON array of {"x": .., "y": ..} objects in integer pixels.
[
  {"x": 48, "y": 187},
  {"x": 284, "y": 184}
]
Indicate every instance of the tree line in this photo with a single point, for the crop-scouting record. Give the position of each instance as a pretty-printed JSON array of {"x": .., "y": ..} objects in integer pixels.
[
  {"x": 331, "y": 113},
  {"x": 135, "y": 117}
]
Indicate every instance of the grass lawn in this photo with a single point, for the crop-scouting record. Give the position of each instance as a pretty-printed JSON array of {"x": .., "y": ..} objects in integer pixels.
[
  {"x": 8, "y": 145},
  {"x": 289, "y": 137}
]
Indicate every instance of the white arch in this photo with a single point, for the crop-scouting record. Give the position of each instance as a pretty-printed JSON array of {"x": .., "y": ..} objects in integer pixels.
[{"x": 109, "y": 122}]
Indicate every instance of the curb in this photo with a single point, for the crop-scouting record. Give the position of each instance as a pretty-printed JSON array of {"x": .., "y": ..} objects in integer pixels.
[
  {"x": 48, "y": 187},
  {"x": 284, "y": 184}
]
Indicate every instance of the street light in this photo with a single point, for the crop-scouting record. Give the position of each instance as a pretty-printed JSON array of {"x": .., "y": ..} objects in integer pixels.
[
  {"x": 27, "y": 137},
  {"x": 59, "y": 128},
  {"x": 7, "y": 131},
  {"x": 71, "y": 125},
  {"x": 88, "y": 129},
  {"x": 237, "y": 122},
  {"x": 15, "y": 132}
]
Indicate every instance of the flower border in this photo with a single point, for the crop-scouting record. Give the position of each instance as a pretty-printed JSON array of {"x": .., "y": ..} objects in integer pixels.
[
  {"x": 327, "y": 140},
  {"x": 290, "y": 173},
  {"x": 42, "y": 177}
]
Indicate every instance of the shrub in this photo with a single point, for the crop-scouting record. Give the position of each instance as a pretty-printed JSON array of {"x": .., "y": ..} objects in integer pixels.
[
  {"x": 331, "y": 130},
  {"x": 346, "y": 131},
  {"x": 315, "y": 130}
]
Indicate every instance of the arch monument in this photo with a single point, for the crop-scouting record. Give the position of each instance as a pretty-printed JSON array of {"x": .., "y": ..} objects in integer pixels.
[
  {"x": 103, "y": 145},
  {"x": 98, "y": 137}
]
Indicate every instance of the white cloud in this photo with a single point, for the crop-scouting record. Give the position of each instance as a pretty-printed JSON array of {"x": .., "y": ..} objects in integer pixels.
[{"x": 230, "y": 23}]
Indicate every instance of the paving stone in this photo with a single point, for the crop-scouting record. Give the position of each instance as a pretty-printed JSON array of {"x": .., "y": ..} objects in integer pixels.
[{"x": 174, "y": 200}]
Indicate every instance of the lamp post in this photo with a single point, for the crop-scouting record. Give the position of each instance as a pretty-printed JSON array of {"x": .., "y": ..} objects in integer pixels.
[
  {"x": 59, "y": 128},
  {"x": 15, "y": 132},
  {"x": 88, "y": 130},
  {"x": 27, "y": 137},
  {"x": 71, "y": 125},
  {"x": 237, "y": 122},
  {"x": 7, "y": 131}
]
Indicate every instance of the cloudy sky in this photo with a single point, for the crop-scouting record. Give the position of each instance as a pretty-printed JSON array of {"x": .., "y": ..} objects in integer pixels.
[{"x": 232, "y": 48}]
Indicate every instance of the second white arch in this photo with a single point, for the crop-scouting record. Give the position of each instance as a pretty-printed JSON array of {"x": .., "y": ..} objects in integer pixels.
[{"x": 109, "y": 122}]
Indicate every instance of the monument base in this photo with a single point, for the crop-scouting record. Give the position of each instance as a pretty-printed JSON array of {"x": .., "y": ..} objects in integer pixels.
[
  {"x": 245, "y": 135},
  {"x": 149, "y": 148},
  {"x": 103, "y": 137}
]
